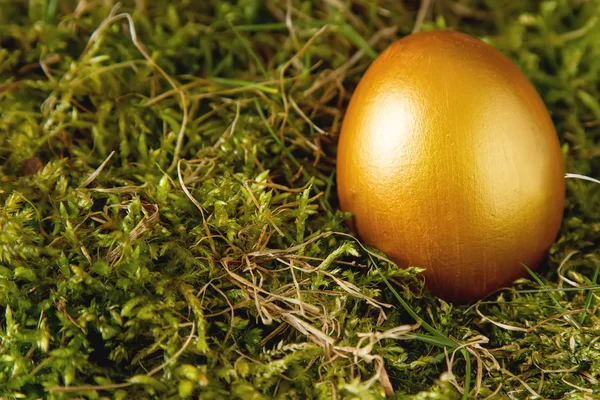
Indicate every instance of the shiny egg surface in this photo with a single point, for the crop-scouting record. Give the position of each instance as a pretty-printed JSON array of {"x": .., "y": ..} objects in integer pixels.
[{"x": 449, "y": 160}]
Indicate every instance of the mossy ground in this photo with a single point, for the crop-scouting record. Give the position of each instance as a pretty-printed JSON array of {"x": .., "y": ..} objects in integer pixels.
[{"x": 168, "y": 220}]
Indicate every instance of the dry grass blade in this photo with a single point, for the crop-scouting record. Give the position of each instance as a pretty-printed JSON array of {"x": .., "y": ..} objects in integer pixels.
[
  {"x": 423, "y": 10},
  {"x": 142, "y": 227},
  {"x": 93, "y": 176},
  {"x": 113, "y": 17}
]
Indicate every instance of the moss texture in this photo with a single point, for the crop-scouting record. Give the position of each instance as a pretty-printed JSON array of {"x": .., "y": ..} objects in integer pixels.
[{"x": 168, "y": 220}]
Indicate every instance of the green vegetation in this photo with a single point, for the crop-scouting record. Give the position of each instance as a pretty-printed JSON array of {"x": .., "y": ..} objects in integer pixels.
[{"x": 169, "y": 226}]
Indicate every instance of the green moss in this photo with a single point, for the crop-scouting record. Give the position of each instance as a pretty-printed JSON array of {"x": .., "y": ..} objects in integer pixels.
[{"x": 169, "y": 226}]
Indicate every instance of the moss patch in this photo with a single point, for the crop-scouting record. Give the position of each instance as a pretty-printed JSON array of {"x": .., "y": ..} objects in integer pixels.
[{"x": 169, "y": 226}]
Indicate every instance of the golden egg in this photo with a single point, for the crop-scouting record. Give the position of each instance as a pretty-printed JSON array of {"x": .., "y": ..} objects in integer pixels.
[{"x": 449, "y": 161}]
